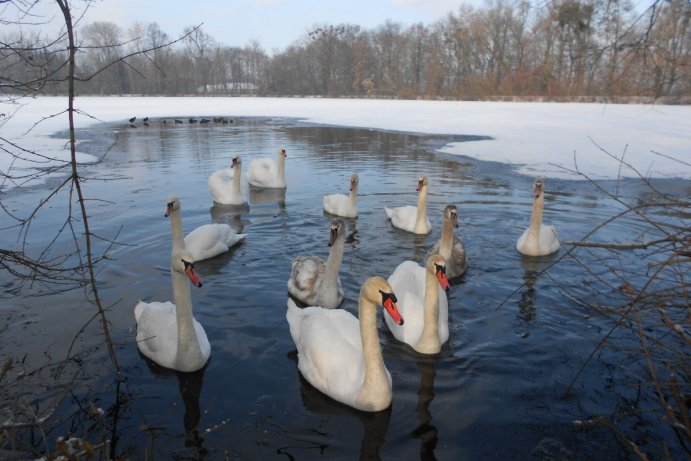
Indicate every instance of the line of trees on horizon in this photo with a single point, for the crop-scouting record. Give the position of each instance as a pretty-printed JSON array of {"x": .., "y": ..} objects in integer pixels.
[{"x": 565, "y": 49}]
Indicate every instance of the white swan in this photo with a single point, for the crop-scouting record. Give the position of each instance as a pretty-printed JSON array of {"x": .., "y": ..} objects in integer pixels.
[
  {"x": 168, "y": 333},
  {"x": 224, "y": 184},
  {"x": 341, "y": 204},
  {"x": 410, "y": 218},
  {"x": 205, "y": 241},
  {"x": 538, "y": 239},
  {"x": 424, "y": 308},
  {"x": 341, "y": 355},
  {"x": 449, "y": 246},
  {"x": 317, "y": 283},
  {"x": 266, "y": 173}
]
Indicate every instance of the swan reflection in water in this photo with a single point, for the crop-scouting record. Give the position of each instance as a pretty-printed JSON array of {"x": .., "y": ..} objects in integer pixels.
[
  {"x": 268, "y": 196},
  {"x": 374, "y": 424},
  {"x": 190, "y": 386},
  {"x": 533, "y": 268},
  {"x": 426, "y": 431}
]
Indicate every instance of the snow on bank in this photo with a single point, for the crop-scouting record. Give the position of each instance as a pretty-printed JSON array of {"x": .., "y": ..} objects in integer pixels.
[{"x": 533, "y": 136}]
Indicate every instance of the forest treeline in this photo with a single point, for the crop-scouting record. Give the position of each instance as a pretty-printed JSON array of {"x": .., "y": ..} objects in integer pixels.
[{"x": 563, "y": 49}]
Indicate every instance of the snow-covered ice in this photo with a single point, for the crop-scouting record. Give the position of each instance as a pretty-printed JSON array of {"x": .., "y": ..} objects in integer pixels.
[{"x": 538, "y": 138}]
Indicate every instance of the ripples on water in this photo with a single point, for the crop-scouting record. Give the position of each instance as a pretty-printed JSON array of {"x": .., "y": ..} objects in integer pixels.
[{"x": 494, "y": 391}]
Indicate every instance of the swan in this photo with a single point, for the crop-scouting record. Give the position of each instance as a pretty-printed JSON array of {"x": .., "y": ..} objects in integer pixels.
[
  {"x": 341, "y": 355},
  {"x": 341, "y": 204},
  {"x": 449, "y": 246},
  {"x": 168, "y": 333},
  {"x": 538, "y": 239},
  {"x": 265, "y": 173},
  {"x": 410, "y": 218},
  {"x": 225, "y": 189},
  {"x": 205, "y": 241},
  {"x": 317, "y": 283},
  {"x": 422, "y": 305}
]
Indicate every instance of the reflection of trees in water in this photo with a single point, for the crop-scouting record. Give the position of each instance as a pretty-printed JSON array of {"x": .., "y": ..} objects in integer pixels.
[{"x": 426, "y": 431}]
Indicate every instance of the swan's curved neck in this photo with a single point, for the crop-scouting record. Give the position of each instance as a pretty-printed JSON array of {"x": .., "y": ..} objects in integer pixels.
[
  {"x": 375, "y": 386},
  {"x": 281, "y": 167},
  {"x": 329, "y": 282},
  {"x": 236, "y": 180},
  {"x": 176, "y": 228},
  {"x": 446, "y": 240},
  {"x": 429, "y": 342},
  {"x": 188, "y": 345},
  {"x": 536, "y": 216},
  {"x": 421, "y": 219},
  {"x": 353, "y": 195}
]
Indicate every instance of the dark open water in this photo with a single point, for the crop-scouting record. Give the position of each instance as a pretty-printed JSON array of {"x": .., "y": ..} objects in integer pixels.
[{"x": 494, "y": 393}]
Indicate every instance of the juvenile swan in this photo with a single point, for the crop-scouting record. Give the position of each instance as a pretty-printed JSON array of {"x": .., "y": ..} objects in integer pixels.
[
  {"x": 317, "y": 283},
  {"x": 449, "y": 246}
]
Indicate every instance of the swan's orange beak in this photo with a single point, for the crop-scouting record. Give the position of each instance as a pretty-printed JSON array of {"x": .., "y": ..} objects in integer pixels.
[
  {"x": 419, "y": 186},
  {"x": 389, "y": 303},
  {"x": 169, "y": 210},
  {"x": 284, "y": 153},
  {"x": 192, "y": 275},
  {"x": 441, "y": 276}
]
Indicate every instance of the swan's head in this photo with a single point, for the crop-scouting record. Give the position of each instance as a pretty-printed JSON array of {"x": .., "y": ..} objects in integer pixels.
[
  {"x": 337, "y": 230},
  {"x": 538, "y": 187},
  {"x": 182, "y": 261},
  {"x": 436, "y": 264},
  {"x": 353, "y": 182},
  {"x": 451, "y": 214},
  {"x": 282, "y": 153},
  {"x": 235, "y": 162},
  {"x": 421, "y": 182},
  {"x": 378, "y": 291},
  {"x": 172, "y": 204}
]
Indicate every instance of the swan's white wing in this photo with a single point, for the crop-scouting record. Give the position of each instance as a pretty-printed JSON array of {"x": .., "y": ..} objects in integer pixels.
[
  {"x": 549, "y": 240},
  {"x": 329, "y": 350},
  {"x": 221, "y": 186},
  {"x": 157, "y": 331},
  {"x": 403, "y": 217},
  {"x": 339, "y": 205},
  {"x": 263, "y": 172},
  {"x": 408, "y": 283},
  {"x": 210, "y": 240}
]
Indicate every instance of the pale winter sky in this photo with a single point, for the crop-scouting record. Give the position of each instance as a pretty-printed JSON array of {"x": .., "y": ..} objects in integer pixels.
[
  {"x": 537, "y": 138},
  {"x": 275, "y": 24}
]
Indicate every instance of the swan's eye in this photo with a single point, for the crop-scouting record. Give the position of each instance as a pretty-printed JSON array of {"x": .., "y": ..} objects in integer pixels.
[
  {"x": 385, "y": 296},
  {"x": 170, "y": 205},
  {"x": 440, "y": 268},
  {"x": 188, "y": 265}
]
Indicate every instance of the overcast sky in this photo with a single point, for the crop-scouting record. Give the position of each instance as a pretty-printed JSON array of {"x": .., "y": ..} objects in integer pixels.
[{"x": 275, "y": 24}]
